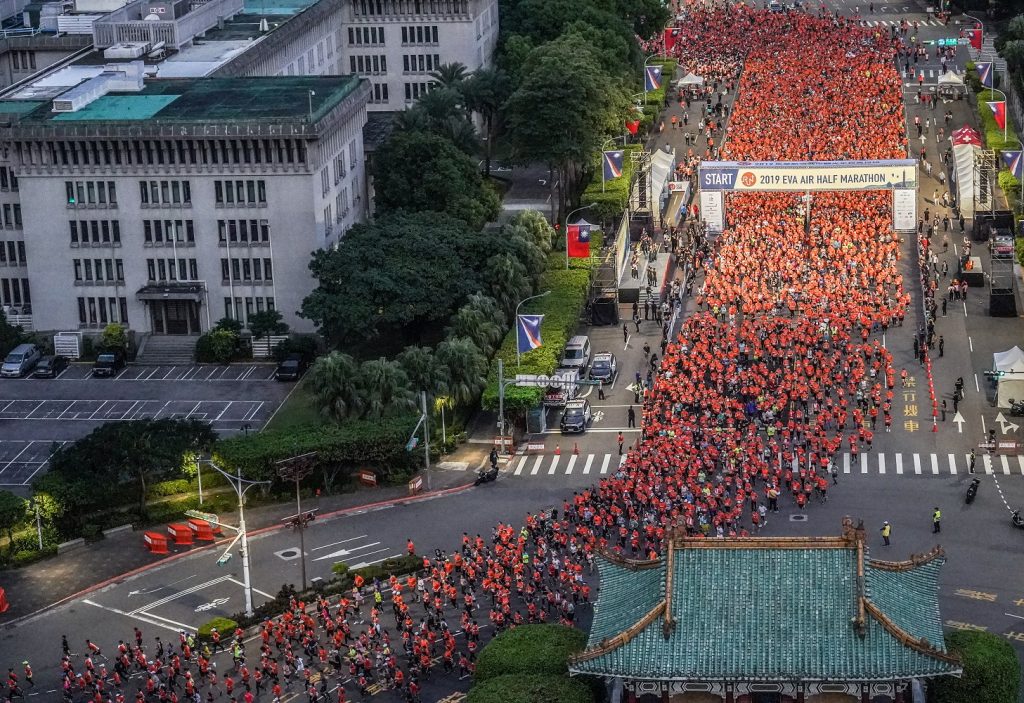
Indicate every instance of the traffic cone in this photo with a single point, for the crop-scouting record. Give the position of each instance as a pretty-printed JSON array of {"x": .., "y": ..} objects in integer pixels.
[
  {"x": 558, "y": 450},
  {"x": 575, "y": 448},
  {"x": 935, "y": 427}
]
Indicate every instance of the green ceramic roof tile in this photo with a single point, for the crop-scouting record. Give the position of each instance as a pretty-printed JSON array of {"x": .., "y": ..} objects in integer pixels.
[
  {"x": 624, "y": 598},
  {"x": 908, "y": 598},
  {"x": 767, "y": 614}
]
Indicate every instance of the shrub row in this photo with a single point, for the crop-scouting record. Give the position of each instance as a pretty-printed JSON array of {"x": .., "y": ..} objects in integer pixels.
[
  {"x": 355, "y": 444},
  {"x": 529, "y": 649},
  {"x": 517, "y": 688},
  {"x": 561, "y": 312}
]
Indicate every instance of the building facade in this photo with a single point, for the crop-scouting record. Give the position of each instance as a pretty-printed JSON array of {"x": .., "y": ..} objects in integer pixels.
[{"x": 181, "y": 203}]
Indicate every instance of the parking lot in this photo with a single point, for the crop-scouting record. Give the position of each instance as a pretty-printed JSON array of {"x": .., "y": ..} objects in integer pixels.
[
  {"x": 203, "y": 373},
  {"x": 21, "y": 460},
  {"x": 36, "y": 413}
]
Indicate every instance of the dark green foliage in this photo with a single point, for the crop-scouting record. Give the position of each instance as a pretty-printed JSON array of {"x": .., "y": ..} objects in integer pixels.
[
  {"x": 529, "y": 649},
  {"x": 531, "y": 688},
  {"x": 991, "y": 670}
]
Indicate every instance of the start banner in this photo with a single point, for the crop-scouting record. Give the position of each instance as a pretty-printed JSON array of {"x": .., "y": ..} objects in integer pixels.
[{"x": 808, "y": 175}]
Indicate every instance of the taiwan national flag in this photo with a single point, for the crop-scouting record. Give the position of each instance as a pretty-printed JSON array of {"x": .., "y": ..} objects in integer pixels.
[
  {"x": 975, "y": 37},
  {"x": 612, "y": 165},
  {"x": 579, "y": 241},
  {"x": 670, "y": 38},
  {"x": 528, "y": 332},
  {"x": 999, "y": 112},
  {"x": 985, "y": 73},
  {"x": 652, "y": 78},
  {"x": 1015, "y": 162}
]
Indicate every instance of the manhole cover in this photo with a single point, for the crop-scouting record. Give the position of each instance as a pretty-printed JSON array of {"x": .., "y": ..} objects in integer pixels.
[
  {"x": 287, "y": 554},
  {"x": 798, "y": 518}
]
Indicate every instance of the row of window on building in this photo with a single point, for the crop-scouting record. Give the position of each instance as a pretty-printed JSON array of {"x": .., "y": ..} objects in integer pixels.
[
  {"x": 94, "y": 232},
  {"x": 164, "y": 232},
  {"x": 101, "y": 152},
  {"x": 392, "y": 8},
  {"x": 99, "y": 270},
  {"x": 15, "y": 291},
  {"x": 235, "y": 270},
  {"x": 242, "y": 308},
  {"x": 22, "y": 60},
  {"x": 12, "y": 215},
  {"x": 411, "y": 35},
  {"x": 98, "y": 311},
  {"x": 414, "y": 91},
  {"x": 377, "y": 64},
  {"x": 172, "y": 269},
  {"x": 13, "y": 254}
]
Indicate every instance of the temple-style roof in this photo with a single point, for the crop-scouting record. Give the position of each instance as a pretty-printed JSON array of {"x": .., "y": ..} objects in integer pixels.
[{"x": 768, "y": 609}]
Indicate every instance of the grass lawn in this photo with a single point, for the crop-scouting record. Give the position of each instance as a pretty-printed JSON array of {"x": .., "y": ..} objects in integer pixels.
[{"x": 298, "y": 410}]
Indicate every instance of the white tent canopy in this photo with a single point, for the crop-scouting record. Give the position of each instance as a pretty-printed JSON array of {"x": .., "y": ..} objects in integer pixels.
[
  {"x": 1010, "y": 365},
  {"x": 690, "y": 79},
  {"x": 965, "y": 142},
  {"x": 951, "y": 78}
]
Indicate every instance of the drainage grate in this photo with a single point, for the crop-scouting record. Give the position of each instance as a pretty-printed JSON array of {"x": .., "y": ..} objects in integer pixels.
[{"x": 798, "y": 518}]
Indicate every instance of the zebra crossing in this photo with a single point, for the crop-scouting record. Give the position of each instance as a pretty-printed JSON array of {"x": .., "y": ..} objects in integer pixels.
[
  {"x": 896, "y": 23},
  {"x": 875, "y": 463}
]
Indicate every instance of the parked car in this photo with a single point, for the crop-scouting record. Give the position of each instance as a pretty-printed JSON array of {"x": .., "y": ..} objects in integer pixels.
[
  {"x": 20, "y": 361},
  {"x": 108, "y": 363},
  {"x": 576, "y": 417},
  {"x": 291, "y": 369},
  {"x": 577, "y": 353},
  {"x": 604, "y": 367},
  {"x": 565, "y": 390},
  {"x": 50, "y": 366}
]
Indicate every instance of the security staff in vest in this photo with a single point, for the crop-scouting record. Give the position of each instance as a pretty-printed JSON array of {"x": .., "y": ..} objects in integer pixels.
[
  {"x": 936, "y": 520},
  {"x": 886, "y": 532}
]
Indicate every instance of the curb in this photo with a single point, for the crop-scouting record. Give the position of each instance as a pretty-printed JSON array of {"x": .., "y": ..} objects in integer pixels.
[{"x": 341, "y": 512}]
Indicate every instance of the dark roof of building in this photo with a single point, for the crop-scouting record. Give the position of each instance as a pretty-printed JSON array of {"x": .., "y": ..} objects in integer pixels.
[
  {"x": 377, "y": 129},
  {"x": 212, "y": 100},
  {"x": 768, "y": 609}
]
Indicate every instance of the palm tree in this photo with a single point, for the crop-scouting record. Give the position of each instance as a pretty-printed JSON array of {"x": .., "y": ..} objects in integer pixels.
[
  {"x": 412, "y": 119},
  {"x": 335, "y": 383},
  {"x": 540, "y": 229},
  {"x": 422, "y": 369},
  {"x": 461, "y": 132},
  {"x": 385, "y": 387},
  {"x": 440, "y": 104},
  {"x": 449, "y": 75},
  {"x": 484, "y": 92},
  {"x": 471, "y": 322},
  {"x": 508, "y": 281},
  {"x": 466, "y": 368}
]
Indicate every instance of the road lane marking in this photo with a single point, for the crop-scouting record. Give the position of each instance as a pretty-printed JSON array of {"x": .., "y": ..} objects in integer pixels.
[
  {"x": 899, "y": 464},
  {"x": 935, "y": 464},
  {"x": 604, "y": 464},
  {"x": 952, "y": 463},
  {"x": 590, "y": 460},
  {"x": 536, "y": 465},
  {"x": 881, "y": 463},
  {"x": 917, "y": 464},
  {"x": 554, "y": 464},
  {"x": 572, "y": 462}
]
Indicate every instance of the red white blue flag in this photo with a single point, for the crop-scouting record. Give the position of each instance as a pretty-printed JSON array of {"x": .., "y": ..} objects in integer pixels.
[
  {"x": 612, "y": 164},
  {"x": 985, "y": 73},
  {"x": 579, "y": 241},
  {"x": 652, "y": 78},
  {"x": 1015, "y": 163},
  {"x": 999, "y": 112},
  {"x": 528, "y": 332}
]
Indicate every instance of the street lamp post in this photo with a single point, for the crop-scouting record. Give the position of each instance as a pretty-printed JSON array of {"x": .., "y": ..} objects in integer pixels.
[
  {"x": 295, "y": 469},
  {"x": 39, "y": 522},
  {"x": 567, "y": 218},
  {"x": 526, "y": 300},
  {"x": 241, "y": 485},
  {"x": 1006, "y": 106}
]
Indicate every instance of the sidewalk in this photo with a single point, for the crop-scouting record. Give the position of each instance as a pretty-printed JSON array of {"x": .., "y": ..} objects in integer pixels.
[{"x": 48, "y": 582}]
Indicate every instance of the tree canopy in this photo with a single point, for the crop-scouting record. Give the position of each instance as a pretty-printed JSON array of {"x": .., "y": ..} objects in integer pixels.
[
  {"x": 421, "y": 171},
  {"x": 402, "y": 275}
]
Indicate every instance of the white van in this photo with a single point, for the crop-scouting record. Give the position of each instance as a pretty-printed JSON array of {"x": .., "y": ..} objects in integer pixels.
[
  {"x": 20, "y": 361},
  {"x": 577, "y": 354}
]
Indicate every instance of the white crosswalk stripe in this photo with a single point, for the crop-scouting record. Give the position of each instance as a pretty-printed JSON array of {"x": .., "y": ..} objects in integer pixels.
[{"x": 864, "y": 463}]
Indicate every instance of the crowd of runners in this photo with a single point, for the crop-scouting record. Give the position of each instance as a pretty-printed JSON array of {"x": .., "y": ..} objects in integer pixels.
[{"x": 780, "y": 367}]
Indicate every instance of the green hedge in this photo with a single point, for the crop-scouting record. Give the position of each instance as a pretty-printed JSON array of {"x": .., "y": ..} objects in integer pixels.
[
  {"x": 354, "y": 444},
  {"x": 529, "y": 649},
  {"x": 531, "y": 689},
  {"x": 611, "y": 201},
  {"x": 225, "y": 626},
  {"x": 994, "y": 140},
  {"x": 561, "y": 312},
  {"x": 991, "y": 670}
]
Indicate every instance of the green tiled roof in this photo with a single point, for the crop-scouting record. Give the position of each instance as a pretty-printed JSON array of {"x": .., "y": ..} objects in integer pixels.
[{"x": 766, "y": 614}]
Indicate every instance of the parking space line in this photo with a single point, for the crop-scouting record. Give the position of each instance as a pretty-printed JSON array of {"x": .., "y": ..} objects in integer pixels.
[
  {"x": 230, "y": 403},
  {"x": 213, "y": 372},
  {"x": 271, "y": 376},
  {"x": 251, "y": 415},
  {"x": 151, "y": 373},
  {"x": 169, "y": 372},
  {"x": 39, "y": 405},
  {"x": 15, "y": 459},
  {"x": 194, "y": 409},
  {"x": 126, "y": 415},
  {"x": 9, "y": 404},
  {"x": 98, "y": 409},
  {"x": 43, "y": 463}
]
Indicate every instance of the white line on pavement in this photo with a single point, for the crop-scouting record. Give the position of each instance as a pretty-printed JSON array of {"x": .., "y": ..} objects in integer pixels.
[
  {"x": 572, "y": 462},
  {"x": 935, "y": 464},
  {"x": 262, "y": 593},
  {"x": 536, "y": 465},
  {"x": 899, "y": 464},
  {"x": 129, "y": 615},
  {"x": 952, "y": 463},
  {"x": 586, "y": 465},
  {"x": 554, "y": 463},
  {"x": 604, "y": 464},
  {"x": 917, "y": 464}
]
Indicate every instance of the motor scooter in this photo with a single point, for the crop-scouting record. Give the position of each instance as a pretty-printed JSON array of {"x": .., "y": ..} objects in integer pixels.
[
  {"x": 1016, "y": 408},
  {"x": 972, "y": 491},
  {"x": 487, "y": 476},
  {"x": 1017, "y": 520}
]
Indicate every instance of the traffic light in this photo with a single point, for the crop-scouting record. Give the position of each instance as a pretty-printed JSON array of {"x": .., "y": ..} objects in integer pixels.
[{"x": 224, "y": 559}]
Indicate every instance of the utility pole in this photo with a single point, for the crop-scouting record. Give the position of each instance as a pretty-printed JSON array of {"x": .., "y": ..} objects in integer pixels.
[
  {"x": 426, "y": 437},
  {"x": 295, "y": 469}
]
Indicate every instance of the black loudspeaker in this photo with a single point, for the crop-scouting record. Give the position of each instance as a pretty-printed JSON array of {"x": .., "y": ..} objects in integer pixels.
[
  {"x": 631, "y": 295},
  {"x": 1002, "y": 305},
  {"x": 604, "y": 311}
]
